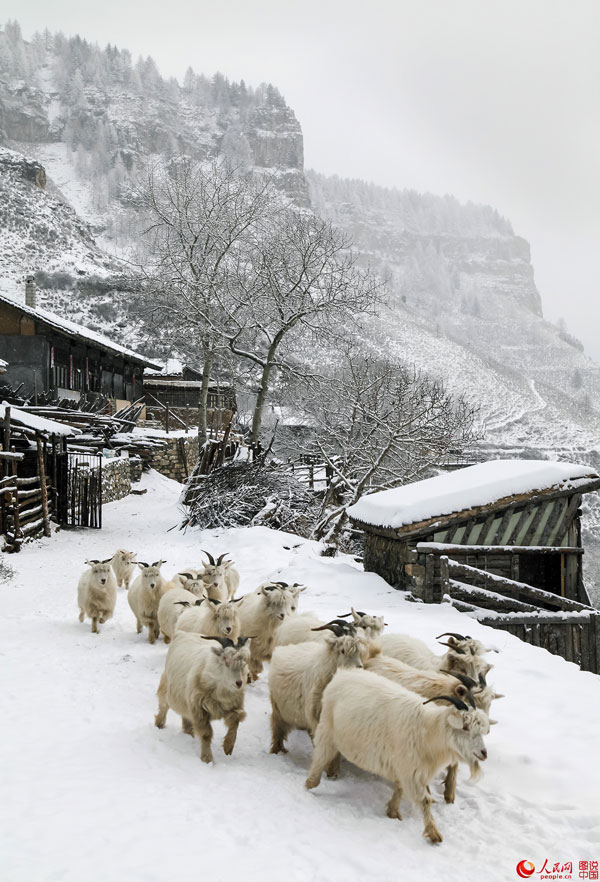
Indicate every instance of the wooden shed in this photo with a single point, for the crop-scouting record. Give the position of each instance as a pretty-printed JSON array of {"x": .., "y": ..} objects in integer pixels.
[{"x": 500, "y": 540}]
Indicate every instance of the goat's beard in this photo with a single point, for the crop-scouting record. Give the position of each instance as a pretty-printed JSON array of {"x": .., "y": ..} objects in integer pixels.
[{"x": 476, "y": 770}]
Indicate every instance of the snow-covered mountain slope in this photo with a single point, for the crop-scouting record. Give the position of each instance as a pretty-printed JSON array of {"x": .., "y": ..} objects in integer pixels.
[
  {"x": 464, "y": 304},
  {"x": 92, "y": 790}
]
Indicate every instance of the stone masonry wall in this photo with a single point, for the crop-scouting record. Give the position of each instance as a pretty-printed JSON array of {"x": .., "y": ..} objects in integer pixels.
[
  {"x": 116, "y": 479},
  {"x": 170, "y": 461}
]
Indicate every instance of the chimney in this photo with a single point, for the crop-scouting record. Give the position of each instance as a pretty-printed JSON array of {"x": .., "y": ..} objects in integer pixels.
[{"x": 30, "y": 296}]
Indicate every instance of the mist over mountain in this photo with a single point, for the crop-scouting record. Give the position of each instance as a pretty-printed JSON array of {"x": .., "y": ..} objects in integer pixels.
[{"x": 78, "y": 123}]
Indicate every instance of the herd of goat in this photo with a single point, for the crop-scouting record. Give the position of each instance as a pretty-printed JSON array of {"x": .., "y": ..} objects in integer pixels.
[{"x": 357, "y": 691}]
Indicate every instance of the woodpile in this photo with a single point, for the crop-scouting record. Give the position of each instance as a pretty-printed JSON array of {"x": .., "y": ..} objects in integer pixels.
[{"x": 250, "y": 493}]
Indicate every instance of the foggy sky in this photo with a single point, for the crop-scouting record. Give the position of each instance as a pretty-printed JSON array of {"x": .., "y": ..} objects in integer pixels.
[{"x": 494, "y": 101}]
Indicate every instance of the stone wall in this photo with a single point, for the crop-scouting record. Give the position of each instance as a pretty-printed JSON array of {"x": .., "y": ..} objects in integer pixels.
[
  {"x": 172, "y": 459},
  {"x": 390, "y": 559},
  {"x": 116, "y": 479}
]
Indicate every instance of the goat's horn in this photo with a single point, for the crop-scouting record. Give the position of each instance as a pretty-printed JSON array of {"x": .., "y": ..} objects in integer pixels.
[
  {"x": 181, "y": 603},
  {"x": 236, "y": 600},
  {"x": 460, "y": 705},
  {"x": 216, "y": 602},
  {"x": 451, "y": 646},
  {"x": 224, "y": 641},
  {"x": 469, "y": 682},
  {"x": 220, "y": 558},
  {"x": 344, "y": 615},
  {"x": 482, "y": 680},
  {"x": 332, "y": 626},
  {"x": 211, "y": 559},
  {"x": 452, "y": 634}
]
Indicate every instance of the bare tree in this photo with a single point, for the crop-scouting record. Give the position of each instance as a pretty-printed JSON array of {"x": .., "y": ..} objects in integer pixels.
[
  {"x": 199, "y": 223},
  {"x": 378, "y": 425},
  {"x": 238, "y": 267},
  {"x": 300, "y": 279}
]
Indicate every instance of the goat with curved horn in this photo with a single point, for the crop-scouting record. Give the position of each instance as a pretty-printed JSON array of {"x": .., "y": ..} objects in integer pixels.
[
  {"x": 453, "y": 634},
  {"x": 469, "y": 682},
  {"x": 211, "y": 559},
  {"x": 452, "y": 646},
  {"x": 458, "y": 704}
]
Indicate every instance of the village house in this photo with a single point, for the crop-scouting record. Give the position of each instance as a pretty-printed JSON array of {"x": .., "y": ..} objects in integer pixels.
[
  {"x": 47, "y": 353},
  {"x": 179, "y": 387}
]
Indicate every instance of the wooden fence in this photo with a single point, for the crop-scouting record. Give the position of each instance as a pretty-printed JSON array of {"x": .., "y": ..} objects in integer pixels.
[
  {"x": 559, "y": 624},
  {"x": 25, "y": 509}
]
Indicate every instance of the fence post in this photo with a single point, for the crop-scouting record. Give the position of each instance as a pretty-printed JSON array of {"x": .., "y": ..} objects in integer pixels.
[
  {"x": 42, "y": 474},
  {"x": 167, "y": 417}
]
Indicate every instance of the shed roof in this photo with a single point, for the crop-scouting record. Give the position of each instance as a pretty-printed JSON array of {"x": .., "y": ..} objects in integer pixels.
[
  {"x": 78, "y": 331},
  {"x": 492, "y": 483}
]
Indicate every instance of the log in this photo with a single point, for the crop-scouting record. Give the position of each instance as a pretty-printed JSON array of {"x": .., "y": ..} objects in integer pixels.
[
  {"x": 487, "y": 599},
  {"x": 447, "y": 548},
  {"x": 41, "y": 457},
  {"x": 497, "y": 583}
]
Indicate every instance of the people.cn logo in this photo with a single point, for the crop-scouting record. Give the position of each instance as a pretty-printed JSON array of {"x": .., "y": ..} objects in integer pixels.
[{"x": 525, "y": 869}]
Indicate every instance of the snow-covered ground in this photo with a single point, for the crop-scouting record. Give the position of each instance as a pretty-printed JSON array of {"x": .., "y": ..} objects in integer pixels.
[{"x": 92, "y": 791}]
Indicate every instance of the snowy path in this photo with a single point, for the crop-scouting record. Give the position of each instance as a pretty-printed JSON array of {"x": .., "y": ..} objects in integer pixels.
[
  {"x": 511, "y": 420},
  {"x": 92, "y": 791}
]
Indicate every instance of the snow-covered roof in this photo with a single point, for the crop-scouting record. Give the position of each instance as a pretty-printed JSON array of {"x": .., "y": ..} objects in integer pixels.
[
  {"x": 40, "y": 424},
  {"x": 154, "y": 380},
  {"x": 465, "y": 489},
  {"x": 3, "y": 365},
  {"x": 171, "y": 366},
  {"x": 74, "y": 330}
]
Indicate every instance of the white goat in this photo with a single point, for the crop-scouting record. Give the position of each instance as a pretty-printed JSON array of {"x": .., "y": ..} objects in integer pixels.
[
  {"x": 204, "y": 680},
  {"x": 123, "y": 564},
  {"x": 425, "y": 683},
  {"x": 298, "y": 674},
  {"x": 144, "y": 597},
  {"x": 261, "y": 613},
  {"x": 97, "y": 593},
  {"x": 387, "y": 730},
  {"x": 300, "y": 628},
  {"x": 214, "y": 578},
  {"x": 211, "y": 618},
  {"x": 414, "y": 652},
  {"x": 170, "y": 608}
]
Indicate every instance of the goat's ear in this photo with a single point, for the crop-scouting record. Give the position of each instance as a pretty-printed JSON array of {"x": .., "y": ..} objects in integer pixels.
[
  {"x": 497, "y": 695},
  {"x": 218, "y": 650},
  {"x": 227, "y": 564},
  {"x": 493, "y": 722},
  {"x": 487, "y": 669},
  {"x": 461, "y": 691},
  {"x": 158, "y": 563}
]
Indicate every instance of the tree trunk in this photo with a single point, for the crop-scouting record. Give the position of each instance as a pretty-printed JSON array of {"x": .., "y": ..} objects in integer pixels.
[
  {"x": 209, "y": 358},
  {"x": 260, "y": 402}
]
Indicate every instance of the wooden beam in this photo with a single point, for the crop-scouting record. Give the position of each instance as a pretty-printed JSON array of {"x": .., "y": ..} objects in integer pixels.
[
  {"x": 447, "y": 548},
  {"x": 42, "y": 473},
  {"x": 497, "y": 583},
  {"x": 490, "y": 599}
]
